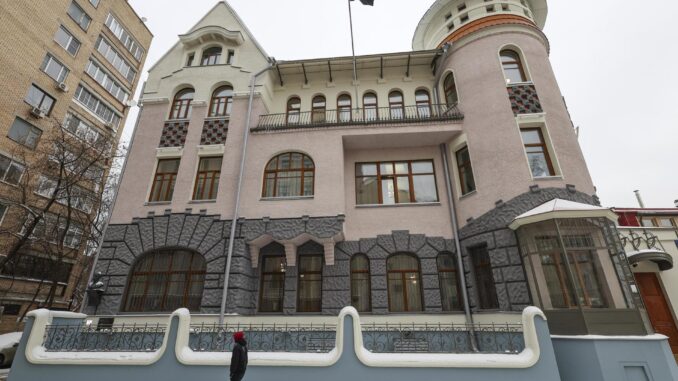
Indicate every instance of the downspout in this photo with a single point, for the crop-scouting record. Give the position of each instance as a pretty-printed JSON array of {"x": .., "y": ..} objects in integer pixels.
[
  {"x": 236, "y": 209},
  {"x": 460, "y": 262},
  {"x": 115, "y": 200}
]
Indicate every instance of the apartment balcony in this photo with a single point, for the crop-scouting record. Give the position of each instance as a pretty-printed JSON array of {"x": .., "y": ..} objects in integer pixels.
[{"x": 360, "y": 117}]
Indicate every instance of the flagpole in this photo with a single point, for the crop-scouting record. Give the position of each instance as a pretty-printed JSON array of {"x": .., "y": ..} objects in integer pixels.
[{"x": 355, "y": 65}]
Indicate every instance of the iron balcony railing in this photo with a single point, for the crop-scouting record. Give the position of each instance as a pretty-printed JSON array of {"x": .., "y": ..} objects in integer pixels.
[{"x": 359, "y": 116}]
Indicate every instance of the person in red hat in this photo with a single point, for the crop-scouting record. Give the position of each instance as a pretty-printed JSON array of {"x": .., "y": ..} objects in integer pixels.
[{"x": 239, "y": 357}]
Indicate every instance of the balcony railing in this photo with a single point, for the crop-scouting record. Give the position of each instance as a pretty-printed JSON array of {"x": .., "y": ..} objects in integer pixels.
[{"x": 359, "y": 116}]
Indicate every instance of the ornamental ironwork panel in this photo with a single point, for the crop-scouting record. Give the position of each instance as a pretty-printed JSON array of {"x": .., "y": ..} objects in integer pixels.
[
  {"x": 264, "y": 337},
  {"x": 524, "y": 99},
  {"x": 117, "y": 338},
  {"x": 443, "y": 338},
  {"x": 360, "y": 116},
  {"x": 214, "y": 131},
  {"x": 174, "y": 134}
]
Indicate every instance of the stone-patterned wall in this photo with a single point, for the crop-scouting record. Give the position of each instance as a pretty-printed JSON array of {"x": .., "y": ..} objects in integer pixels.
[
  {"x": 491, "y": 229},
  {"x": 524, "y": 99},
  {"x": 174, "y": 134},
  {"x": 214, "y": 131}
]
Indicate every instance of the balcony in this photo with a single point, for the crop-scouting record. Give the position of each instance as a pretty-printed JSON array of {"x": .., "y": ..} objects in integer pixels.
[{"x": 359, "y": 117}]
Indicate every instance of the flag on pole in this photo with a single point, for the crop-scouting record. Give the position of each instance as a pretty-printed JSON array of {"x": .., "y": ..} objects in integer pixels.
[{"x": 366, "y": 2}]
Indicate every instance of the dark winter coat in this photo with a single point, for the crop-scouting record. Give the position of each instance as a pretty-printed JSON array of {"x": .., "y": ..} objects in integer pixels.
[{"x": 239, "y": 360}]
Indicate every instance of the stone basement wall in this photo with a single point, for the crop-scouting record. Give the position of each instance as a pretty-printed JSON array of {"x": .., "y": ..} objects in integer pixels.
[{"x": 491, "y": 229}]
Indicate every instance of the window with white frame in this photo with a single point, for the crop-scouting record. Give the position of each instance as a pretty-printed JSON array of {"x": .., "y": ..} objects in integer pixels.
[
  {"x": 115, "y": 59},
  {"x": 83, "y": 130},
  {"x": 97, "y": 106},
  {"x": 79, "y": 16},
  {"x": 66, "y": 40},
  {"x": 55, "y": 69},
  {"x": 24, "y": 133},
  {"x": 77, "y": 198},
  {"x": 125, "y": 37},
  {"x": 11, "y": 171},
  {"x": 52, "y": 226},
  {"x": 106, "y": 81},
  {"x": 39, "y": 99}
]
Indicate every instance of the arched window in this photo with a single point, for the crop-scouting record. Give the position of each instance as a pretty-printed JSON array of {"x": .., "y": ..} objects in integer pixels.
[
  {"x": 513, "y": 67},
  {"x": 222, "y": 101},
  {"x": 181, "y": 107},
  {"x": 289, "y": 175},
  {"x": 423, "y": 99},
  {"x": 450, "y": 292},
  {"x": 360, "y": 283},
  {"x": 272, "y": 288},
  {"x": 370, "y": 106},
  {"x": 165, "y": 280},
  {"x": 450, "y": 88},
  {"x": 293, "y": 110},
  {"x": 211, "y": 56},
  {"x": 318, "y": 109},
  {"x": 404, "y": 283},
  {"x": 396, "y": 104},
  {"x": 344, "y": 107}
]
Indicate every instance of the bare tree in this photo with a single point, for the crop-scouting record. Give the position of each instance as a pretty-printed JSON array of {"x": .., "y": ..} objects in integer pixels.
[{"x": 57, "y": 208}]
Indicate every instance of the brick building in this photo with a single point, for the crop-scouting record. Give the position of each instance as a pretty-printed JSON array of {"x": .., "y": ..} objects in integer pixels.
[{"x": 70, "y": 63}]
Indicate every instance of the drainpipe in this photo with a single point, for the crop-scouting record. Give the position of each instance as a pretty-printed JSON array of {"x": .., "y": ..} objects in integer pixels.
[
  {"x": 639, "y": 198},
  {"x": 236, "y": 209},
  {"x": 115, "y": 199},
  {"x": 460, "y": 262}
]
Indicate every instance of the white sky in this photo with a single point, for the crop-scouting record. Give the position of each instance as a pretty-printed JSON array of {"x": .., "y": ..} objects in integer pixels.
[{"x": 615, "y": 62}]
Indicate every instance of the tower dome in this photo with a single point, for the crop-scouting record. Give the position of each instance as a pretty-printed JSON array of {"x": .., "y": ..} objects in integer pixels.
[{"x": 449, "y": 20}]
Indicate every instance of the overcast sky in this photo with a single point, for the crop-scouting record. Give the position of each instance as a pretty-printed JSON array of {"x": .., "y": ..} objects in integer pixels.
[{"x": 615, "y": 62}]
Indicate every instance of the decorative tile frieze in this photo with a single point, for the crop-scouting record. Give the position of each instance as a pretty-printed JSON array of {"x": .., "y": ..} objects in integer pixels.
[
  {"x": 524, "y": 99},
  {"x": 214, "y": 131},
  {"x": 174, "y": 134}
]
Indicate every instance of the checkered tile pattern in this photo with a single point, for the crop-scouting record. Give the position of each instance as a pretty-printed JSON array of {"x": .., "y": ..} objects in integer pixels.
[
  {"x": 214, "y": 131},
  {"x": 524, "y": 99},
  {"x": 174, "y": 134}
]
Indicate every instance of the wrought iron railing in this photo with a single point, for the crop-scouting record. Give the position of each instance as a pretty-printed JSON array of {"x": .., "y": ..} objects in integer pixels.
[
  {"x": 443, "y": 338},
  {"x": 318, "y": 338},
  {"x": 116, "y": 338},
  {"x": 359, "y": 116}
]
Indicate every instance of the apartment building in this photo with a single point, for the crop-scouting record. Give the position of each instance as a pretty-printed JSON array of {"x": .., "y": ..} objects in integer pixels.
[{"x": 71, "y": 64}]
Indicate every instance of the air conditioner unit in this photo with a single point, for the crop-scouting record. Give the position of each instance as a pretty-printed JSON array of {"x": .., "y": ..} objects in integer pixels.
[
  {"x": 62, "y": 87},
  {"x": 37, "y": 112}
]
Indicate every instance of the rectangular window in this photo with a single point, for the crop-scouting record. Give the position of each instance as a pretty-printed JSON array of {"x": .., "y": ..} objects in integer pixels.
[
  {"x": 115, "y": 59},
  {"x": 207, "y": 180},
  {"x": 11, "y": 171},
  {"x": 482, "y": 269},
  {"x": 52, "y": 227},
  {"x": 76, "y": 197},
  {"x": 64, "y": 38},
  {"x": 466, "y": 180},
  {"x": 83, "y": 130},
  {"x": 648, "y": 222},
  {"x": 537, "y": 152},
  {"x": 55, "y": 69},
  {"x": 3, "y": 211},
  {"x": 230, "y": 57},
  {"x": 165, "y": 178},
  {"x": 272, "y": 289},
  {"x": 125, "y": 37},
  {"x": 665, "y": 223},
  {"x": 32, "y": 267},
  {"x": 40, "y": 99},
  {"x": 99, "y": 74},
  {"x": 309, "y": 295},
  {"x": 401, "y": 182},
  {"x": 189, "y": 61},
  {"x": 24, "y": 133},
  {"x": 97, "y": 106},
  {"x": 95, "y": 3},
  {"x": 79, "y": 16}
]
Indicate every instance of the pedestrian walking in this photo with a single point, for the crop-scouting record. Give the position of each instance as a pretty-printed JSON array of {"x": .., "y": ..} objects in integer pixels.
[{"x": 239, "y": 357}]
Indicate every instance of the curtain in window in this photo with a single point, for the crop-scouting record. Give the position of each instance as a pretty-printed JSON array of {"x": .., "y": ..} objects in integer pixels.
[
  {"x": 404, "y": 283},
  {"x": 360, "y": 283}
]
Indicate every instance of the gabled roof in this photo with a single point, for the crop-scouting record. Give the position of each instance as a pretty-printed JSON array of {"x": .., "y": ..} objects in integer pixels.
[{"x": 558, "y": 208}]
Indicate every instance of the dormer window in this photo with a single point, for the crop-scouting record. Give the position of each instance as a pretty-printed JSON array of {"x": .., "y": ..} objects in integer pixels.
[{"x": 211, "y": 56}]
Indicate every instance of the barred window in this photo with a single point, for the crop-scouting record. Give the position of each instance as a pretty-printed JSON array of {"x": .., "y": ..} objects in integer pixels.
[{"x": 165, "y": 280}]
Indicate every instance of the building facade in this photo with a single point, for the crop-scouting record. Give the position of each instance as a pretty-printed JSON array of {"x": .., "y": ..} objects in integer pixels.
[
  {"x": 650, "y": 239},
  {"x": 69, "y": 63},
  {"x": 431, "y": 203}
]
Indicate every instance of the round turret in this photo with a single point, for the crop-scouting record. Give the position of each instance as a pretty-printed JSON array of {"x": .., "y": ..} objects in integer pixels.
[{"x": 449, "y": 20}]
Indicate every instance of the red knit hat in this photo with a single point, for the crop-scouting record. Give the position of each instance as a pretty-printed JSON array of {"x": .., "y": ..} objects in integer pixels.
[{"x": 239, "y": 336}]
